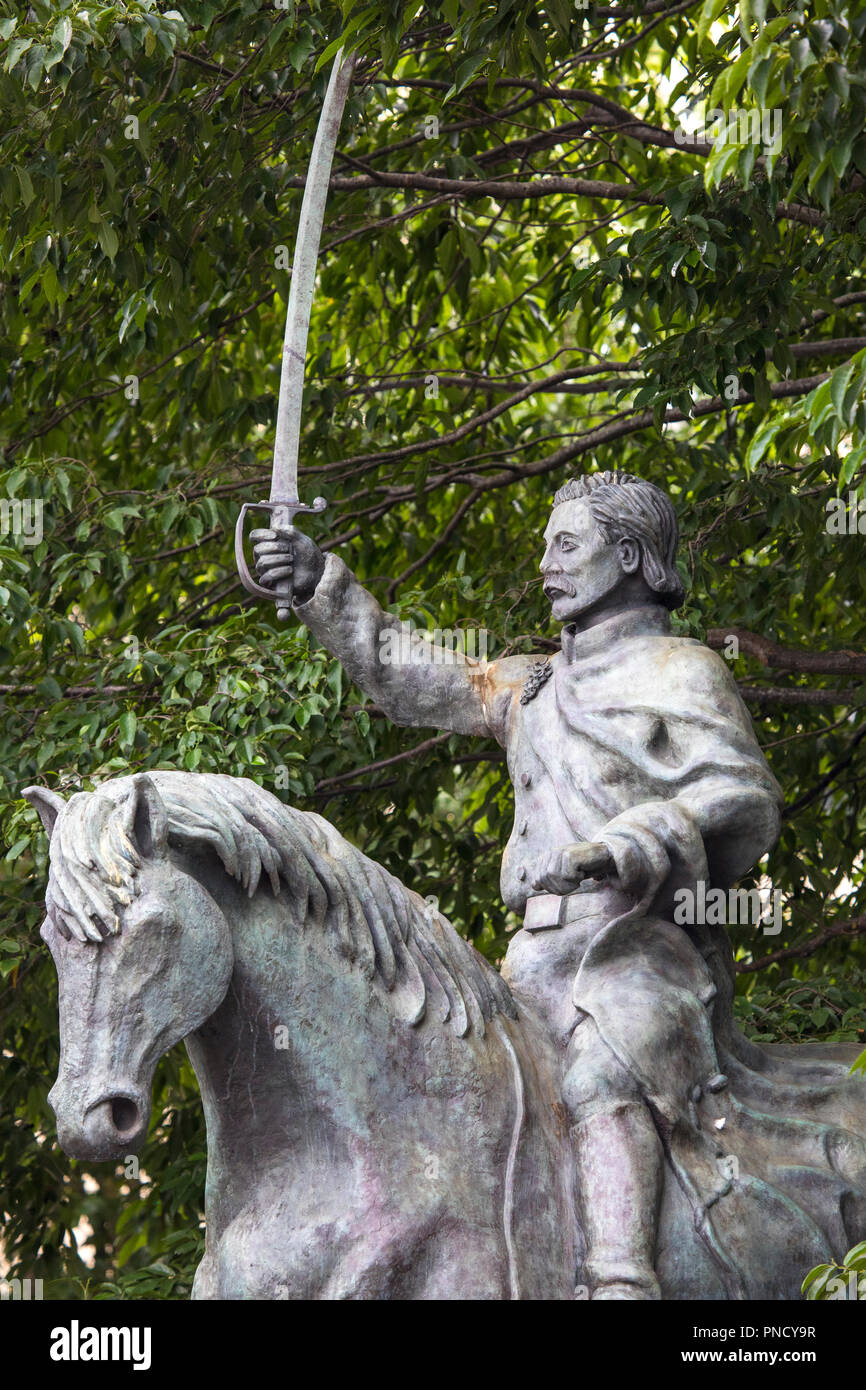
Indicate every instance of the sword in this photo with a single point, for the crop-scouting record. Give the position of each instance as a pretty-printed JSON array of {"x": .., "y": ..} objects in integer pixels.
[{"x": 284, "y": 503}]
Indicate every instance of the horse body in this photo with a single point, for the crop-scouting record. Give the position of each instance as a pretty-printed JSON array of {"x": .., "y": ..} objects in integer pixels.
[{"x": 379, "y": 1123}]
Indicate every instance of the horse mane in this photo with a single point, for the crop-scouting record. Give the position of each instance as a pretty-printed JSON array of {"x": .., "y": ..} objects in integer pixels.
[{"x": 370, "y": 917}]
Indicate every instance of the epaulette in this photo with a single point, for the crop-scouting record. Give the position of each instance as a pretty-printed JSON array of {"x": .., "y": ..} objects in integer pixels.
[{"x": 539, "y": 673}]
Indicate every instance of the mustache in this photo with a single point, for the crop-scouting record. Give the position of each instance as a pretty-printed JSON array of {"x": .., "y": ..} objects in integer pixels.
[{"x": 560, "y": 581}]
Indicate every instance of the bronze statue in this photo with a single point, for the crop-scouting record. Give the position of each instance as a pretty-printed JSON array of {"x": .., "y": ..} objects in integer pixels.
[
  {"x": 389, "y": 1118},
  {"x": 637, "y": 777}
]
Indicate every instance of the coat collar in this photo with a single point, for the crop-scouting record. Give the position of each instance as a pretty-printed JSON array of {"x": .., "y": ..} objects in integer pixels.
[{"x": 649, "y": 619}]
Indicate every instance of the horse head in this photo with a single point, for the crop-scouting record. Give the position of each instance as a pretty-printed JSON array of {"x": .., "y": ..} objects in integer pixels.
[{"x": 143, "y": 956}]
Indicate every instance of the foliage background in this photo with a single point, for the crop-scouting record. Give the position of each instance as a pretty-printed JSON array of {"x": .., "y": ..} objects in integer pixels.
[{"x": 590, "y": 291}]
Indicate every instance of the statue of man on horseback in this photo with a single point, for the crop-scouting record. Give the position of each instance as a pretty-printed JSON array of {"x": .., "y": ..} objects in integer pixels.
[
  {"x": 636, "y": 776},
  {"x": 425, "y": 1128}
]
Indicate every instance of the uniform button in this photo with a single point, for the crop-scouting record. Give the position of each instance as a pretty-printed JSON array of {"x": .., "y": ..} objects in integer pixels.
[
  {"x": 526, "y": 779},
  {"x": 524, "y": 826},
  {"x": 521, "y": 874}
]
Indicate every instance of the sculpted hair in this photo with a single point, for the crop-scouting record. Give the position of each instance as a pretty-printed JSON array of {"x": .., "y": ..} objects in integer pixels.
[{"x": 628, "y": 508}]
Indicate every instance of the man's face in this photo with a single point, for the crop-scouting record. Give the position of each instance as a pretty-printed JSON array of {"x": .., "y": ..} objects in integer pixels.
[{"x": 579, "y": 567}]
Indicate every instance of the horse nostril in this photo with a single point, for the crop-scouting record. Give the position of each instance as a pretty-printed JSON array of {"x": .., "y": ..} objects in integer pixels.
[{"x": 124, "y": 1114}]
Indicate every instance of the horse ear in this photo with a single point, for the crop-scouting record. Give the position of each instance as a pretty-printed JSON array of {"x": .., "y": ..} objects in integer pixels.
[
  {"x": 146, "y": 818},
  {"x": 48, "y": 804}
]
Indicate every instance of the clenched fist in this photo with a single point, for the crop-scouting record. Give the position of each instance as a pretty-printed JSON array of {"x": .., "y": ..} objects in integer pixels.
[
  {"x": 565, "y": 869},
  {"x": 288, "y": 555}
]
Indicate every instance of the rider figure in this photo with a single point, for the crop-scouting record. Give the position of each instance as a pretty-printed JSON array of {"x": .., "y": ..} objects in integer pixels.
[{"x": 636, "y": 776}]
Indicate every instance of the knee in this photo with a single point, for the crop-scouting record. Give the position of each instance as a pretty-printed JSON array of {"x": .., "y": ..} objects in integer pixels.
[{"x": 595, "y": 1077}]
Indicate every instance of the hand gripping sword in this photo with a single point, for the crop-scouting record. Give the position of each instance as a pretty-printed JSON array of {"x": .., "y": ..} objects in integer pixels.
[{"x": 284, "y": 503}]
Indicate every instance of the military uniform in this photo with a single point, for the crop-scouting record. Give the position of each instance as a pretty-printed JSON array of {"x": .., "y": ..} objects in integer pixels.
[{"x": 637, "y": 739}]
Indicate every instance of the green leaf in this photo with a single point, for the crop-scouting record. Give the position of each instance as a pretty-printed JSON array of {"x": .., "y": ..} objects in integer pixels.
[
  {"x": 25, "y": 184},
  {"x": 466, "y": 71},
  {"x": 856, "y": 1257},
  {"x": 721, "y": 162},
  {"x": 816, "y": 1280},
  {"x": 41, "y": 247},
  {"x": 678, "y": 199},
  {"x": 851, "y": 464},
  {"x": 840, "y": 153},
  {"x": 728, "y": 84},
  {"x": 107, "y": 237},
  {"x": 127, "y": 726},
  {"x": 758, "y": 78},
  {"x": 763, "y": 397},
  {"x": 17, "y": 49},
  {"x": 710, "y": 12},
  {"x": 761, "y": 441},
  {"x": 839, "y": 385},
  {"x": 62, "y": 33},
  {"x": 837, "y": 76}
]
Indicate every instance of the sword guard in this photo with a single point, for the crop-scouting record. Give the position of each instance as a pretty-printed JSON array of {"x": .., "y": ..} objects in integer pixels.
[{"x": 285, "y": 521}]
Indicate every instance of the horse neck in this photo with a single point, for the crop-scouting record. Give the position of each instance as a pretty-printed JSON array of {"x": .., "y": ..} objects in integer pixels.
[{"x": 278, "y": 1057}]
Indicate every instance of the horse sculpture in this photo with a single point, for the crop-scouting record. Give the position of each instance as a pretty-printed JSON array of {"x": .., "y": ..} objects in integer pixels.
[
  {"x": 381, "y": 1108},
  {"x": 365, "y": 1159}
]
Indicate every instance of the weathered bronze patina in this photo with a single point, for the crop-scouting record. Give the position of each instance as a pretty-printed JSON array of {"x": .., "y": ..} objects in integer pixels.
[{"x": 388, "y": 1117}]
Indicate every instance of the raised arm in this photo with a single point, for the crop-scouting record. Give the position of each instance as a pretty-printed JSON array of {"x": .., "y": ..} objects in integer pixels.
[{"x": 414, "y": 683}]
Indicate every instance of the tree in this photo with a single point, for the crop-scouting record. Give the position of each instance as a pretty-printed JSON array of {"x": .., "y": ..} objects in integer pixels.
[{"x": 559, "y": 237}]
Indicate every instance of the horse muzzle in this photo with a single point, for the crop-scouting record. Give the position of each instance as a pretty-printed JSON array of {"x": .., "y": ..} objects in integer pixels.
[{"x": 108, "y": 1128}]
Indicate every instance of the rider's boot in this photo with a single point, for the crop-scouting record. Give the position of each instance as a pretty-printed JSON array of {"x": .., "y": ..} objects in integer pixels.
[{"x": 620, "y": 1168}]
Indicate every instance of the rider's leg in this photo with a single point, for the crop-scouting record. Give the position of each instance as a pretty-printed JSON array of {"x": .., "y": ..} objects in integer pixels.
[{"x": 619, "y": 1169}]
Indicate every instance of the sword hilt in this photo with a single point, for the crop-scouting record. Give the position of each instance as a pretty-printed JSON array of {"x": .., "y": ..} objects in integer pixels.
[{"x": 283, "y": 515}]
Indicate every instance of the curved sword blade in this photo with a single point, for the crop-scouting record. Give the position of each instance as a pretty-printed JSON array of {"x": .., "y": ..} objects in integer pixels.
[{"x": 284, "y": 479}]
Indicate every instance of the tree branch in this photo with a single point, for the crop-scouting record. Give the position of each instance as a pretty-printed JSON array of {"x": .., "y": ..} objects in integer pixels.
[
  {"x": 827, "y": 780},
  {"x": 330, "y": 782},
  {"x": 855, "y": 926},
  {"x": 769, "y": 653},
  {"x": 781, "y": 695},
  {"x": 511, "y": 190}
]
